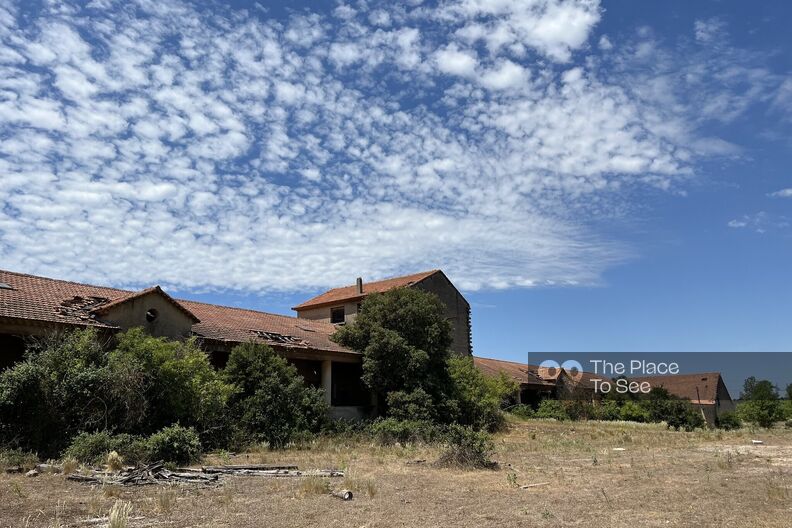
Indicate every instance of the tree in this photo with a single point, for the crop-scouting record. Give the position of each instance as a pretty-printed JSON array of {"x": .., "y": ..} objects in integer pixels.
[
  {"x": 405, "y": 340},
  {"x": 272, "y": 403},
  {"x": 760, "y": 403},
  {"x": 789, "y": 391}
]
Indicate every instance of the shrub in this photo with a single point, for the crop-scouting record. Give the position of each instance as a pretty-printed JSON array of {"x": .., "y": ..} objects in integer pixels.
[
  {"x": 478, "y": 398},
  {"x": 175, "y": 444},
  {"x": 729, "y": 421},
  {"x": 416, "y": 405},
  {"x": 389, "y": 431},
  {"x": 607, "y": 410},
  {"x": 93, "y": 448},
  {"x": 763, "y": 413},
  {"x": 522, "y": 411},
  {"x": 156, "y": 383},
  {"x": 17, "y": 458},
  {"x": 551, "y": 409},
  {"x": 467, "y": 448},
  {"x": 271, "y": 403},
  {"x": 786, "y": 409},
  {"x": 56, "y": 392},
  {"x": 633, "y": 412}
]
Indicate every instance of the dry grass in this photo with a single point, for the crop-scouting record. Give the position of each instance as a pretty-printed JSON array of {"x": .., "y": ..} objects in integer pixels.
[
  {"x": 119, "y": 514},
  {"x": 657, "y": 478}
]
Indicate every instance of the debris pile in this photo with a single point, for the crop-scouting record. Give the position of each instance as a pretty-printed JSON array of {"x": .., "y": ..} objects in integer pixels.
[
  {"x": 157, "y": 474},
  {"x": 150, "y": 474}
]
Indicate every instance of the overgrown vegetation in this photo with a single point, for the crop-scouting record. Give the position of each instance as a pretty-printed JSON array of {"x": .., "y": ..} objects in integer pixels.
[
  {"x": 149, "y": 398},
  {"x": 271, "y": 403},
  {"x": 405, "y": 341},
  {"x": 760, "y": 403}
]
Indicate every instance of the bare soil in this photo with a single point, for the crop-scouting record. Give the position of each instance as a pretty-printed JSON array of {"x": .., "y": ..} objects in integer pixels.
[{"x": 593, "y": 474}]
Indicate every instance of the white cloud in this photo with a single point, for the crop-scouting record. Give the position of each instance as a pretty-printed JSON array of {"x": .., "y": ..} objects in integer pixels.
[
  {"x": 456, "y": 62},
  {"x": 783, "y": 193},
  {"x": 163, "y": 142},
  {"x": 505, "y": 75},
  {"x": 554, "y": 28},
  {"x": 709, "y": 30}
]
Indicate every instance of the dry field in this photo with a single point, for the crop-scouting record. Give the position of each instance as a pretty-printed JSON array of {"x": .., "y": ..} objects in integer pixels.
[{"x": 591, "y": 474}]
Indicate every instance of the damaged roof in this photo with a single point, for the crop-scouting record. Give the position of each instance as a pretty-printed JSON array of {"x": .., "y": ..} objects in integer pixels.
[
  {"x": 350, "y": 293},
  {"x": 700, "y": 388},
  {"x": 522, "y": 373},
  {"x": 42, "y": 300}
]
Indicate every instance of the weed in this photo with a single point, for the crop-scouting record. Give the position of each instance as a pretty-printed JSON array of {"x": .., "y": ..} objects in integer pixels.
[
  {"x": 166, "y": 500},
  {"x": 119, "y": 514},
  {"x": 114, "y": 461},
  {"x": 314, "y": 486},
  {"x": 511, "y": 479}
]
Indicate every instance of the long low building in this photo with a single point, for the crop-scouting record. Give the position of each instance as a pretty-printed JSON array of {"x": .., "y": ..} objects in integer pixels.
[
  {"x": 34, "y": 306},
  {"x": 707, "y": 392},
  {"x": 37, "y": 306}
]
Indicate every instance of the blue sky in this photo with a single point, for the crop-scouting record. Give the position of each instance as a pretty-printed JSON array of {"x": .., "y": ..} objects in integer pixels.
[{"x": 594, "y": 176}]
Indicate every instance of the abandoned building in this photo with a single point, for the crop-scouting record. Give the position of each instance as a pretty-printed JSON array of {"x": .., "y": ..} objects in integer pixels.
[
  {"x": 341, "y": 305},
  {"x": 36, "y": 306},
  {"x": 706, "y": 392}
]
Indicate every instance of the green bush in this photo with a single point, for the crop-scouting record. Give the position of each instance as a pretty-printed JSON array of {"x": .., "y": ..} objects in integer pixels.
[
  {"x": 92, "y": 448},
  {"x": 389, "y": 431},
  {"x": 478, "y": 398},
  {"x": 271, "y": 403},
  {"x": 416, "y": 406},
  {"x": 17, "y": 458},
  {"x": 786, "y": 409},
  {"x": 59, "y": 390},
  {"x": 467, "y": 448},
  {"x": 607, "y": 410},
  {"x": 729, "y": 421},
  {"x": 633, "y": 412},
  {"x": 550, "y": 408},
  {"x": 157, "y": 382},
  {"x": 522, "y": 411},
  {"x": 174, "y": 444},
  {"x": 763, "y": 413}
]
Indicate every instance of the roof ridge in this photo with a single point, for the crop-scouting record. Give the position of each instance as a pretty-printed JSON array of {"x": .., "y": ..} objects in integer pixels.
[
  {"x": 30, "y": 275},
  {"x": 427, "y": 272}
]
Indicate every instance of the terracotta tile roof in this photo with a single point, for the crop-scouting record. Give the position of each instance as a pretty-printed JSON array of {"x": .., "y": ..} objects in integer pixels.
[
  {"x": 223, "y": 323},
  {"x": 698, "y": 388},
  {"x": 39, "y": 299},
  {"x": 56, "y": 301},
  {"x": 104, "y": 308},
  {"x": 350, "y": 293},
  {"x": 520, "y": 372}
]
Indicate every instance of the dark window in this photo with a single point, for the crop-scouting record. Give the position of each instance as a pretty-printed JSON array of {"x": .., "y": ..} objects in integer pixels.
[
  {"x": 337, "y": 315},
  {"x": 151, "y": 315},
  {"x": 348, "y": 388}
]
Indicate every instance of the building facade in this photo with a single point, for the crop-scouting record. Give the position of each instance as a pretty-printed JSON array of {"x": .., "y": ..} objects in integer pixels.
[{"x": 341, "y": 305}]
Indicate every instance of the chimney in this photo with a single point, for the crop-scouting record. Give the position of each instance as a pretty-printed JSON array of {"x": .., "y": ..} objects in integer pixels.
[{"x": 360, "y": 285}]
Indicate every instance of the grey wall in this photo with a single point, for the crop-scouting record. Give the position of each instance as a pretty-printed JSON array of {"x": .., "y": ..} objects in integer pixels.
[{"x": 457, "y": 310}]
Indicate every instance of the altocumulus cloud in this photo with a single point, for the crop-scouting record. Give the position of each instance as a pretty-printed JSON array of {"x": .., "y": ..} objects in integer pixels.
[{"x": 148, "y": 140}]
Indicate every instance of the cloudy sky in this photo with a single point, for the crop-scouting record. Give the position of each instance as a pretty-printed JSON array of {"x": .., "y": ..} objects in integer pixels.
[{"x": 591, "y": 174}]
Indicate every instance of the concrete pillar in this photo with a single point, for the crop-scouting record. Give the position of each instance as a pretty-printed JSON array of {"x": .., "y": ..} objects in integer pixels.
[{"x": 327, "y": 380}]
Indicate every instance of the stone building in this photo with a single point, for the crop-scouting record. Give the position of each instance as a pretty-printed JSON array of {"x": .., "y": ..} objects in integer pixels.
[
  {"x": 37, "y": 306},
  {"x": 341, "y": 305}
]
